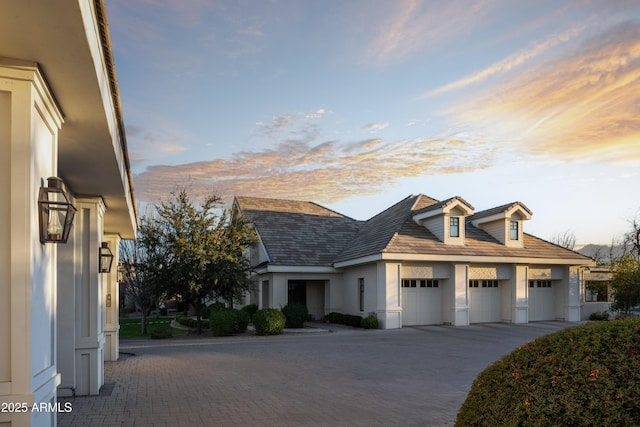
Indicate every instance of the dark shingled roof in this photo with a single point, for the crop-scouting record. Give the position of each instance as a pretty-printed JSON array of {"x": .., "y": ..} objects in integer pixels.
[
  {"x": 298, "y": 233},
  {"x": 304, "y": 233},
  {"x": 498, "y": 209}
]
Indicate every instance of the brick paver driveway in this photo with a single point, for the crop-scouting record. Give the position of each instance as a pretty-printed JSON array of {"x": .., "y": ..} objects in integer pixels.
[{"x": 348, "y": 377}]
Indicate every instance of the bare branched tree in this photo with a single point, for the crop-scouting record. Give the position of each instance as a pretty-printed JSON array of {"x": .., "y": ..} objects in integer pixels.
[{"x": 566, "y": 239}]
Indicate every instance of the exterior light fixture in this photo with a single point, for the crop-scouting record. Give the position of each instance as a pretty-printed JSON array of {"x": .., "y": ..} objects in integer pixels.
[
  {"x": 55, "y": 212},
  {"x": 106, "y": 258}
]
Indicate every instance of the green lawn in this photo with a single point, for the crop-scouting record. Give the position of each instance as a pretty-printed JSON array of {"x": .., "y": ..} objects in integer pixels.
[{"x": 130, "y": 327}]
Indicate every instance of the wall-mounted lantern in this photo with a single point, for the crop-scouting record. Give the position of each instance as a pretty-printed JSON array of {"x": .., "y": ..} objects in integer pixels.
[
  {"x": 55, "y": 212},
  {"x": 106, "y": 258}
]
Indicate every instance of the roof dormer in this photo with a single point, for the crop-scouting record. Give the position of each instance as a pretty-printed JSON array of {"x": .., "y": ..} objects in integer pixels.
[
  {"x": 504, "y": 223},
  {"x": 446, "y": 219}
]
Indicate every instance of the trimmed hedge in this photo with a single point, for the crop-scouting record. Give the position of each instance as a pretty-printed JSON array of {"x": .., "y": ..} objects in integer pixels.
[
  {"x": 345, "y": 319},
  {"x": 223, "y": 322},
  {"x": 586, "y": 375},
  {"x": 158, "y": 334},
  {"x": 241, "y": 322},
  {"x": 251, "y": 309},
  {"x": 191, "y": 323},
  {"x": 370, "y": 322},
  {"x": 269, "y": 321},
  {"x": 599, "y": 315},
  {"x": 295, "y": 315},
  {"x": 228, "y": 322}
]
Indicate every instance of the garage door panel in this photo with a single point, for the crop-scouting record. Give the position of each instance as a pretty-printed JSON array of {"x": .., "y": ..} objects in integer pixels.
[
  {"x": 421, "y": 306},
  {"x": 484, "y": 301},
  {"x": 541, "y": 300}
]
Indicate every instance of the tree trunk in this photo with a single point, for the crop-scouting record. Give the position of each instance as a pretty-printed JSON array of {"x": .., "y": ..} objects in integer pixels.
[
  {"x": 143, "y": 323},
  {"x": 198, "y": 307}
]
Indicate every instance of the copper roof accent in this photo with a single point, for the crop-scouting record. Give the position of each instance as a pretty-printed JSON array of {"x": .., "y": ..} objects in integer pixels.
[{"x": 305, "y": 233}]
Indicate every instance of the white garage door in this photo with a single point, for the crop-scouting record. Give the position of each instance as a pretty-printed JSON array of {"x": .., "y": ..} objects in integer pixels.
[
  {"x": 484, "y": 301},
  {"x": 421, "y": 302},
  {"x": 542, "y": 301}
]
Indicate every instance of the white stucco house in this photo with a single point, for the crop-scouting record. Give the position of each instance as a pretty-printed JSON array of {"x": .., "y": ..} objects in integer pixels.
[
  {"x": 60, "y": 116},
  {"x": 418, "y": 262}
]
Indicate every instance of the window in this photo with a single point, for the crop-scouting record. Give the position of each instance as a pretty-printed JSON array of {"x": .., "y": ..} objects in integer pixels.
[
  {"x": 361, "y": 292},
  {"x": 596, "y": 291},
  {"x": 539, "y": 283},
  {"x": 454, "y": 227},
  {"x": 409, "y": 283},
  {"x": 423, "y": 283},
  {"x": 513, "y": 230},
  {"x": 483, "y": 283}
]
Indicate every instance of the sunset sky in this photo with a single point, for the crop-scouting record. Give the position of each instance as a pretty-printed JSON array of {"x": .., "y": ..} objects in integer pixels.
[{"x": 356, "y": 104}]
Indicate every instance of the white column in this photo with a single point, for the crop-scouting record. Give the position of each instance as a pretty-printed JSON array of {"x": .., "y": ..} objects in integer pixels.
[
  {"x": 90, "y": 292},
  {"x": 389, "y": 295},
  {"x": 574, "y": 302},
  {"x": 29, "y": 124},
  {"x": 279, "y": 291},
  {"x": 460, "y": 295},
  {"x": 66, "y": 308},
  {"x": 111, "y": 302},
  {"x": 520, "y": 299}
]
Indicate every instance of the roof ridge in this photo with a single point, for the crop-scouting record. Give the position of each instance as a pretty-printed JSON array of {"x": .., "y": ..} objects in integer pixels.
[
  {"x": 390, "y": 207},
  {"x": 335, "y": 212},
  {"x": 500, "y": 208},
  {"x": 557, "y": 245}
]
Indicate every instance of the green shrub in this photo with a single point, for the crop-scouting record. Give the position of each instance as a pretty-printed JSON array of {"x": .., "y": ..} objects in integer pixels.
[
  {"x": 586, "y": 375},
  {"x": 251, "y": 309},
  {"x": 242, "y": 319},
  {"x": 354, "y": 320},
  {"x": 217, "y": 306},
  {"x": 370, "y": 322},
  {"x": 161, "y": 333},
  {"x": 269, "y": 321},
  {"x": 223, "y": 322},
  {"x": 295, "y": 315},
  {"x": 182, "y": 319},
  {"x": 599, "y": 315}
]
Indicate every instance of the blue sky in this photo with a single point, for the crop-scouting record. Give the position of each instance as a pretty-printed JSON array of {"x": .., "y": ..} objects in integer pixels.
[{"x": 356, "y": 104}]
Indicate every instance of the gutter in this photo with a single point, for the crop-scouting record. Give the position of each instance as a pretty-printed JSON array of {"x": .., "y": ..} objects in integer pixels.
[{"x": 103, "y": 26}]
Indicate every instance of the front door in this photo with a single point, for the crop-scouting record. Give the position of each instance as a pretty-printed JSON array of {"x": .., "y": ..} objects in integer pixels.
[{"x": 297, "y": 292}]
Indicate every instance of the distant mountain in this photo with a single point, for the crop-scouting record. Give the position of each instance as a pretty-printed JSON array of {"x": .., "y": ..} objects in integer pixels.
[{"x": 601, "y": 253}]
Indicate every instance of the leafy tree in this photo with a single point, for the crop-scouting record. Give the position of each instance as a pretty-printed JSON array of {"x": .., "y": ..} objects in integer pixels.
[
  {"x": 201, "y": 250},
  {"x": 141, "y": 280},
  {"x": 625, "y": 283}
]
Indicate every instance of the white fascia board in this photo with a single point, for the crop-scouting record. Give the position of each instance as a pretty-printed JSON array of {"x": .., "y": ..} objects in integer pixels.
[
  {"x": 299, "y": 269},
  {"x": 518, "y": 208},
  {"x": 261, "y": 244},
  {"x": 428, "y": 214},
  {"x": 358, "y": 261},
  {"x": 475, "y": 259},
  {"x": 490, "y": 218}
]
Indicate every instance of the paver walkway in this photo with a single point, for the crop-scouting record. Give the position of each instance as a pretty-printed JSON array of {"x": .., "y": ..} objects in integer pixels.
[{"x": 408, "y": 377}]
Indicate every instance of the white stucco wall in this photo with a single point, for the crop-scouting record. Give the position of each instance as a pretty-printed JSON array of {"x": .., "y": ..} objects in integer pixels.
[
  {"x": 29, "y": 125},
  {"x": 350, "y": 290}
]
